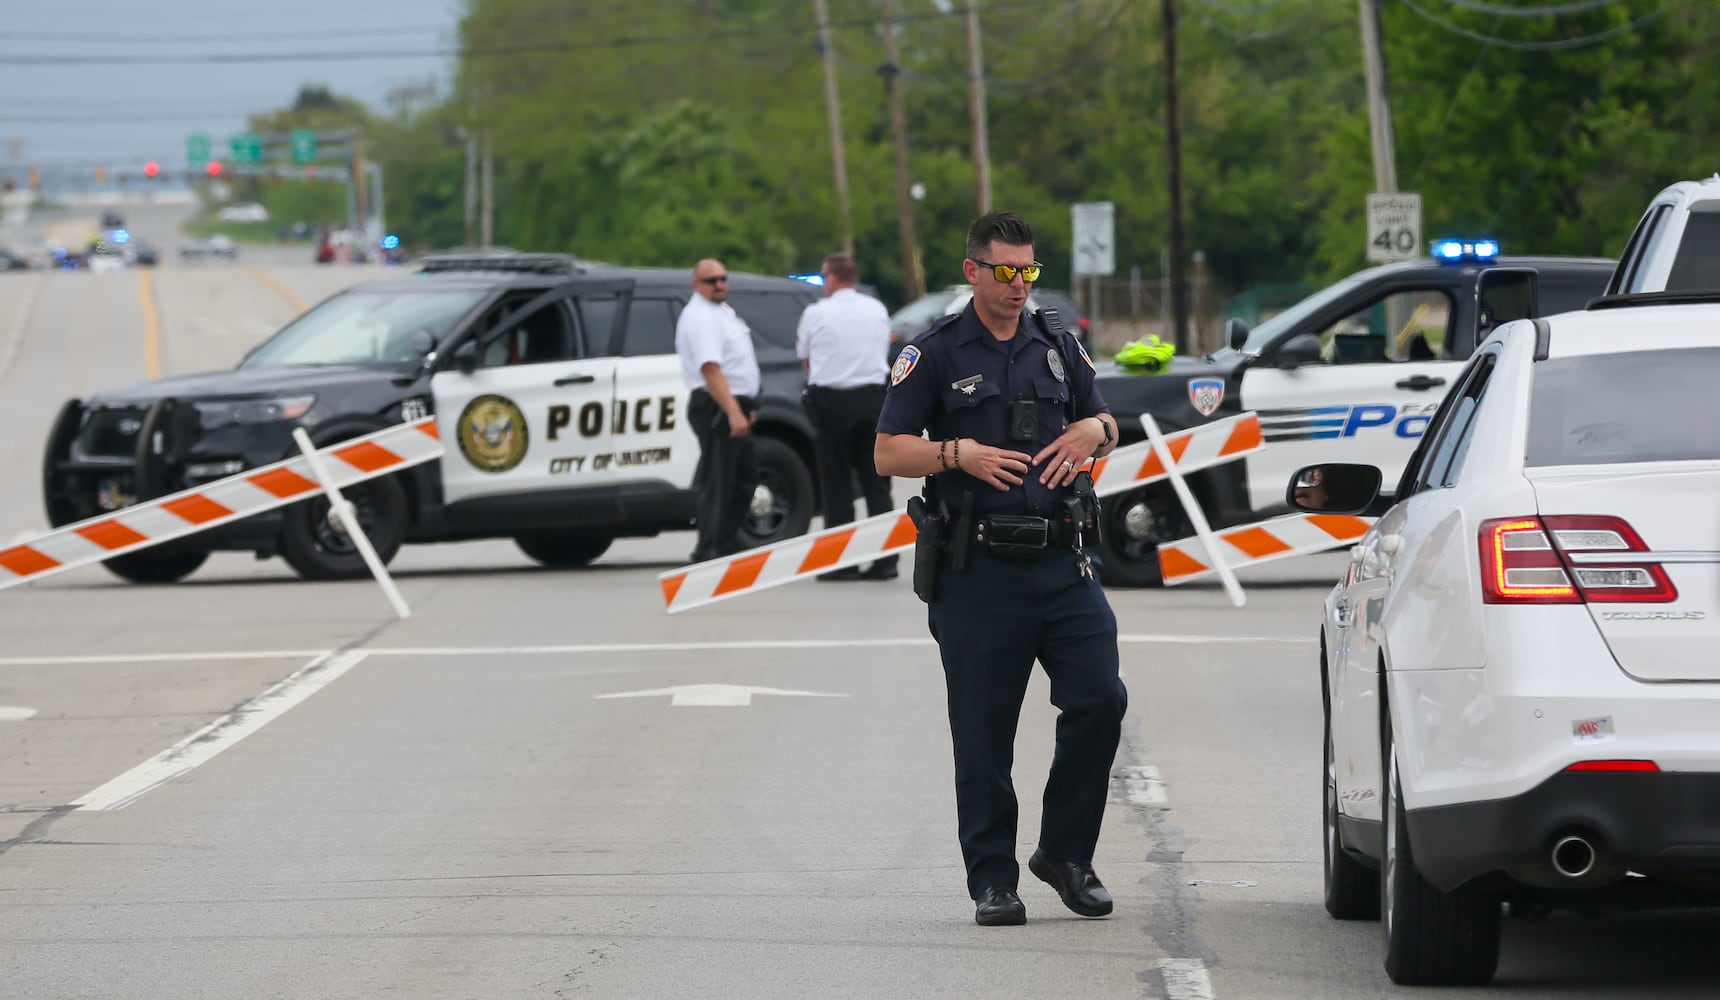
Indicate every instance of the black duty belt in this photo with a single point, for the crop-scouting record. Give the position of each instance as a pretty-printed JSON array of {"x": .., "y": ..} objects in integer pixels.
[{"x": 1021, "y": 536}]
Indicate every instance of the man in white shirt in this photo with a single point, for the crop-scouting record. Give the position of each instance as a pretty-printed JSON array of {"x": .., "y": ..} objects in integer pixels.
[
  {"x": 717, "y": 361},
  {"x": 844, "y": 343}
]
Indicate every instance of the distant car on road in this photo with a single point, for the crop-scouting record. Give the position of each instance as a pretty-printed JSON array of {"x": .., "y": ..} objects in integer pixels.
[
  {"x": 1517, "y": 667},
  {"x": 112, "y": 220},
  {"x": 216, "y": 245},
  {"x": 249, "y": 212},
  {"x": 10, "y": 261}
]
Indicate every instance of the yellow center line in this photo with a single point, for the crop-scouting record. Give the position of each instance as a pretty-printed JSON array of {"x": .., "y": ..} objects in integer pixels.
[
  {"x": 151, "y": 323},
  {"x": 273, "y": 282}
]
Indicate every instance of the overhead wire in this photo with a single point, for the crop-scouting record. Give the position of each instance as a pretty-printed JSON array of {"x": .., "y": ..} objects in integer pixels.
[
  {"x": 505, "y": 49},
  {"x": 1557, "y": 10},
  {"x": 1202, "y": 9},
  {"x": 1556, "y": 45},
  {"x": 1457, "y": 95}
]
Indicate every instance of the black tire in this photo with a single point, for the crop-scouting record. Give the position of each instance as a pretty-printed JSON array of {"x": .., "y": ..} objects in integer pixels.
[
  {"x": 1352, "y": 888},
  {"x": 155, "y": 567},
  {"x": 1132, "y": 526},
  {"x": 563, "y": 549},
  {"x": 785, "y": 493},
  {"x": 1432, "y": 938},
  {"x": 317, "y": 550}
]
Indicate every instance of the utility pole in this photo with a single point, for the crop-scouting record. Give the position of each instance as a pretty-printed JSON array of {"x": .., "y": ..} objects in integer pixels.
[
  {"x": 486, "y": 194},
  {"x": 892, "y": 70},
  {"x": 833, "y": 111},
  {"x": 1173, "y": 157},
  {"x": 361, "y": 195},
  {"x": 471, "y": 231},
  {"x": 1379, "y": 106},
  {"x": 976, "y": 109}
]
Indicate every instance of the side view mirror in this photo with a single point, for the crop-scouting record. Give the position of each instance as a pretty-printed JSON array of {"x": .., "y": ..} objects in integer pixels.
[
  {"x": 1334, "y": 488},
  {"x": 1235, "y": 333},
  {"x": 1503, "y": 294},
  {"x": 466, "y": 357},
  {"x": 1302, "y": 349}
]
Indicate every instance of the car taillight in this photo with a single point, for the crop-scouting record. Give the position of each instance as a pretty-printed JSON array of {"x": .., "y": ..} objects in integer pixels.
[
  {"x": 1628, "y": 766},
  {"x": 1568, "y": 559}
]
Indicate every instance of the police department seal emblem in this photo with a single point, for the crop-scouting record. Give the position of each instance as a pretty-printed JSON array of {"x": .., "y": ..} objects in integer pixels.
[
  {"x": 905, "y": 363},
  {"x": 1205, "y": 394},
  {"x": 492, "y": 434},
  {"x": 1055, "y": 361}
]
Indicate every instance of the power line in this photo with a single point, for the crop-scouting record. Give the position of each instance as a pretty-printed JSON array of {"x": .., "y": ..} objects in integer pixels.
[
  {"x": 1557, "y": 141},
  {"x": 1557, "y": 45},
  {"x": 1202, "y": 11},
  {"x": 1580, "y": 7},
  {"x": 249, "y": 36},
  {"x": 1457, "y": 95},
  {"x": 520, "y": 48}
]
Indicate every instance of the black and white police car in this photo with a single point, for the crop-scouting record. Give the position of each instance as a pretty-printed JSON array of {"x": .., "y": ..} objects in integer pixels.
[
  {"x": 559, "y": 395},
  {"x": 1351, "y": 373}
]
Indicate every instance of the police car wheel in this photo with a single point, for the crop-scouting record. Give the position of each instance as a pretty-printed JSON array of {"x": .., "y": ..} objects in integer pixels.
[
  {"x": 563, "y": 549},
  {"x": 1131, "y": 529},
  {"x": 155, "y": 567},
  {"x": 315, "y": 547},
  {"x": 783, "y": 502}
]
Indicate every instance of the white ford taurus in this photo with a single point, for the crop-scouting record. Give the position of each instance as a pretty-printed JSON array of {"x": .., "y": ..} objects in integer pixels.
[{"x": 1521, "y": 666}]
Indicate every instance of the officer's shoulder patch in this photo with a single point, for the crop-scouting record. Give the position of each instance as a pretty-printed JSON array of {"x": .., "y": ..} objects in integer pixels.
[
  {"x": 905, "y": 363},
  {"x": 1083, "y": 351}
]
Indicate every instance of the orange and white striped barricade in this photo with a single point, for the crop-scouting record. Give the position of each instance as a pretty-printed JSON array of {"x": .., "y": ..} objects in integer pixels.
[
  {"x": 1196, "y": 448},
  {"x": 164, "y": 519},
  {"x": 1261, "y": 542},
  {"x": 798, "y": 558}
]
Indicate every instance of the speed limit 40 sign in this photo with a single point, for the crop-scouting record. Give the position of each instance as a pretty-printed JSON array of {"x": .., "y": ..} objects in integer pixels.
[{"x": 1394, "y": 227}]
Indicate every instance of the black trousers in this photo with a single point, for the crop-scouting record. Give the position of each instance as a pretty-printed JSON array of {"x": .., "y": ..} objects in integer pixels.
[
  {"x": 991, "y": 621},
  {"x": 726, "y": 476},
  {"x": 847, "y": 425}
]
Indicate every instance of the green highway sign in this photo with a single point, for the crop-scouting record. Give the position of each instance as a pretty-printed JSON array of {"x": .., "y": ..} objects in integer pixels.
[
  {"x": 197, "y": 149},
  {"x": 304, "y": 145},
  {"x": 247, "y": 147}
]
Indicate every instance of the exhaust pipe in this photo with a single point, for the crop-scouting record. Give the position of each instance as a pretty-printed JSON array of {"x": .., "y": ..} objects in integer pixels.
[{"x": 1573, "y": 856}]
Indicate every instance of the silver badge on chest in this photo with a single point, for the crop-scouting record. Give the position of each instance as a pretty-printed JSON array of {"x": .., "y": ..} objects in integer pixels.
[{"x": 1055, "y": 361}]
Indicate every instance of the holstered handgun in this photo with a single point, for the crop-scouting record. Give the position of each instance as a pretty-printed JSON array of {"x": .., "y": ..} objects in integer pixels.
[
  {"x": 963, "y": 528},
  {"x": 931, "y": 529}
]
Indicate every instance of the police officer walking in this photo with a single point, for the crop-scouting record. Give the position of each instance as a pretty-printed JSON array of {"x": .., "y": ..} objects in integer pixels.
[
  {"x": 1013, "y": 413},
  {"x": 718, "y": 364},
  {"x": 843, "y": 340}
]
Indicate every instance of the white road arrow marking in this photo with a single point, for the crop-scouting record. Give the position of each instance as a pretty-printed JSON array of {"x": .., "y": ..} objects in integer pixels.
[
  {"x": 723, "y": 695},
  {"x": 15, "y": 713}
]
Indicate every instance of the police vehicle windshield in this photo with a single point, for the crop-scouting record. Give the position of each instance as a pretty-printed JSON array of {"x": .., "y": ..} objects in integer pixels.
[
  {"x": 366, "y": 328},
  {"x": 1279, "y": 324}
]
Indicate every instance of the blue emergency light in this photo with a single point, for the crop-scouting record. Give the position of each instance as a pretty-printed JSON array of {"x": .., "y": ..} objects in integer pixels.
[
  {"x": 390, "y": 242},
  {"x": 120, "y": 236},
  {"x": 811, "y": 279},
  {"x": 1460, "y": 250}
]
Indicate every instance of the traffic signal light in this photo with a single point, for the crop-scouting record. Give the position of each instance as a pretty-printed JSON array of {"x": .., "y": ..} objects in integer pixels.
[
  {"x": 213, "y": 169},
  {"x": 151, "y": 169}
]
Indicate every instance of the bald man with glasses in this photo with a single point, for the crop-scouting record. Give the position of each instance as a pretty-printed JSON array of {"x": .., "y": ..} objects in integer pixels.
[{"x": 718, "y": 364}]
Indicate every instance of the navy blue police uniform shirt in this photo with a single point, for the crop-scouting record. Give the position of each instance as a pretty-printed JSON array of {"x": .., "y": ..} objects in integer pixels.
[{"x": 956, "y": 380}]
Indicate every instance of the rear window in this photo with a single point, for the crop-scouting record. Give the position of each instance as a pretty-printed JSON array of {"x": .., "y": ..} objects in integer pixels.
[
  {"x": 1642, "y": 406},
  {"x": 1697, "y": 266}
]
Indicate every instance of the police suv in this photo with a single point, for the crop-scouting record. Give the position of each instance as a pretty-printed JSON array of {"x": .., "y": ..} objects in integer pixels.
[
  {"x": 560, "y": 400},
  {"x": 1353, "y": 373}
]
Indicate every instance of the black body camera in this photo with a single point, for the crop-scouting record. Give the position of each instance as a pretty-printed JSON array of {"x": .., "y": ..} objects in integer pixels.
[{"x": 1024, "y": 420}]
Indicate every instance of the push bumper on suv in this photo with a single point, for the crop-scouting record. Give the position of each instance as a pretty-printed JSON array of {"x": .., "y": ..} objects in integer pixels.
[{"x": 1600, "y": 824}]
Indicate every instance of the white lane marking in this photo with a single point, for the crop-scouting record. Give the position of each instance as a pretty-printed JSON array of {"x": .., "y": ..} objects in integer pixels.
[
  {"x": 605, "y": 647},
  {"x": 1186, "y": 979},
  {"x": 717, "y": 695},
  {"x": 202, "y": 746},
  {"x": 1138, "y": 786},
  {"x": 104, "y": 658},
  {"x": 15, "y": 338},
  {"x": 15, "y": 713}
]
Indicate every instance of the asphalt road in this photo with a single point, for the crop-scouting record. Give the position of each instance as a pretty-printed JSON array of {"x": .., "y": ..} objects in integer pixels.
[{"x": 450, "y": 806}]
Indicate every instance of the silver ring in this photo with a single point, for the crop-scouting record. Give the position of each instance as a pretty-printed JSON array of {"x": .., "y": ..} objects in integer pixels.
[{"x": 1069, "y": 463}]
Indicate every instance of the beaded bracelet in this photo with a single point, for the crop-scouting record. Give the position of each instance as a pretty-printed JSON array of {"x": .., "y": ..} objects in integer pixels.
[
  {"x": 958, "y": 453},
  {"x": 943, "y": 462}
]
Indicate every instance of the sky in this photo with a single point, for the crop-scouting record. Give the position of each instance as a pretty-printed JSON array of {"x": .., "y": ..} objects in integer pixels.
[{"x": 67, "y": 98}]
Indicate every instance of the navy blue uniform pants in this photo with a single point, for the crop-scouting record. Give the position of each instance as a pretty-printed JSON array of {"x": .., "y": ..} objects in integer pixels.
[{"x": 992, "y": 621}]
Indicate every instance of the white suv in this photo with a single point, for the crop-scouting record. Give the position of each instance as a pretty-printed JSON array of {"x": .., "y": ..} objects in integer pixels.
[
  {"x": 1676, "y": 246},
  {"x": 1519, "y": 675}
]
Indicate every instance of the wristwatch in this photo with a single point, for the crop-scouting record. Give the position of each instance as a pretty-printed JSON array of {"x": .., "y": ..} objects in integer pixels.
[{"x": 1106, "y": 427}]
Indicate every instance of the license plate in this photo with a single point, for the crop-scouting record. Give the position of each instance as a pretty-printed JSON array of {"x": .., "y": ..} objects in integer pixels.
[{"x": 109, "y": 496}]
